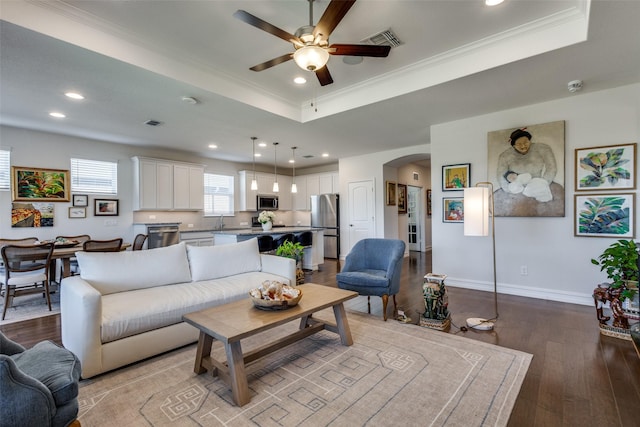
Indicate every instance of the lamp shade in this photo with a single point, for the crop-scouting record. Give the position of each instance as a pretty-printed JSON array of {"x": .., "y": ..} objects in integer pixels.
[
  {"x": 476, "y": 211},
  {"x": 311, "y": 57}
]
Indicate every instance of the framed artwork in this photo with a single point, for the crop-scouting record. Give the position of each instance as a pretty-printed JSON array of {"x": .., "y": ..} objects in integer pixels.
[
  {"x": 391, "y": 193},
  {"x": 453, "y": 209},
  {"x": 105, "y": 207},
  {"x": 80, "y": 200},
  {"x": 611, "y": 167},
  {"x": 429, "y": 202},
  {"x": 526, "y": 167},
  {"x": 32, "y": 214},
  {"x": 77, "y": 212},
  {"x": 402, "y": 199},
  {"x": 39, "y": 185},
  {"x": 456, "y": 177},
  {"x": 605, "y": 215}
]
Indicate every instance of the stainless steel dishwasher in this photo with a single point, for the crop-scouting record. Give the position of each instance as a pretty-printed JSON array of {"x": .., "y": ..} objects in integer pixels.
[{"x": 163, "y": 235}]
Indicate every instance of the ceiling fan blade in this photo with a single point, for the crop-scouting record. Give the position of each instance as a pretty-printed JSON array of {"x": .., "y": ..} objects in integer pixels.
[
  {"x": 332, "y": 16},
  {"x": 324, "y": 76},
  {"x": 271, "y": 63},
  {"x": 360, "y": 50},
  {"x": 248, "y": 18}
]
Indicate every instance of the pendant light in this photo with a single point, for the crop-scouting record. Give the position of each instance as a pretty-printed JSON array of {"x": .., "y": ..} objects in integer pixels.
[
  {"x": 254, "y": 181},
  {"x": 294, "y": 188},
  {"x": 276, "y": 188}
]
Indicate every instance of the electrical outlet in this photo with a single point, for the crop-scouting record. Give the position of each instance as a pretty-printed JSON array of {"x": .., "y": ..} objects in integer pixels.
[
  {"x": 524, "y": 271},
  {"x": 152, "y": 217},
  {"x": 110, "y": 222},
  {"x": 189, "y": 225}
]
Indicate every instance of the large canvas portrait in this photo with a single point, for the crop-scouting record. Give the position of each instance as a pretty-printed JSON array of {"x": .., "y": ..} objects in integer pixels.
[{"x": 526, "y": 167}]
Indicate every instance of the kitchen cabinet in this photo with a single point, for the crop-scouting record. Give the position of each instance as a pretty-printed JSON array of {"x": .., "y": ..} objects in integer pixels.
[
  {"x": 165, "y": 185},
  {"x": 326, "y": 184},
  {"x": 300, "y": 200},
  {"x": 247, "y": 197},
  {"x": 313, "y": 185},
  {"x": 197, "y": 238}
]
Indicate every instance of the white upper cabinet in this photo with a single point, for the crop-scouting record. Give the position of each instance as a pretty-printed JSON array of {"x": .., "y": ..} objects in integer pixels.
[{"x": 165, "y": 185}]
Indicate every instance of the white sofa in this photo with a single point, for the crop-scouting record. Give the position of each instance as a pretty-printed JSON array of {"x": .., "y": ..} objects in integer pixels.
[{"x": 127, "y": 306}]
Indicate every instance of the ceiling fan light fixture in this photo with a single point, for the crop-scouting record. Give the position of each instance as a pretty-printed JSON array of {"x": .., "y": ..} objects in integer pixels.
[{"x": 311, "y": 57}]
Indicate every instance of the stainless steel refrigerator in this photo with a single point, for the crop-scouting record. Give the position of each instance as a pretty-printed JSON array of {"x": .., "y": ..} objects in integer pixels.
[{"x": 325, "y": 213}]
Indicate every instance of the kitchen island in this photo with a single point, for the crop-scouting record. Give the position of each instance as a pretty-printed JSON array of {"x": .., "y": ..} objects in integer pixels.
[{"x": 313, "y": 256}]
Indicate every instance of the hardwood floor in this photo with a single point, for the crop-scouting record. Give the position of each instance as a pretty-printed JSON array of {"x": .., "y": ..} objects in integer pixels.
[{"x": 577, "y": 377}]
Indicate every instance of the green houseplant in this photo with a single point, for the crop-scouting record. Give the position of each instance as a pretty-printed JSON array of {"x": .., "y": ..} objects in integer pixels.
[
  {"x": 295, "y": 251},
  {"x": 620, "y": 262}
]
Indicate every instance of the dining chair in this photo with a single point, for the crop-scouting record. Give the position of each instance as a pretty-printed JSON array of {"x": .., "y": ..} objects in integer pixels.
[
  {"x": 24, "y": 278},
  {"x": 138, "y": 242},
  {"x": 73, "y": 262},
  {"x": 113, "y": 245},
  {"x": 23, "y": 241}
]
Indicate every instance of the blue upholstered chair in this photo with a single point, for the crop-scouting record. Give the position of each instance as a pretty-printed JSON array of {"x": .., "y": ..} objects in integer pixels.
[
  {"x": 373, "y": 267},
  {"x": 38, "y": 386}
]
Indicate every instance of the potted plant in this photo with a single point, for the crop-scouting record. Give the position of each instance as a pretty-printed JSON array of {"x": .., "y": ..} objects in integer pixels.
[
  {"x": 294, "y": 251},
  {"x": 620, "y": 262}
]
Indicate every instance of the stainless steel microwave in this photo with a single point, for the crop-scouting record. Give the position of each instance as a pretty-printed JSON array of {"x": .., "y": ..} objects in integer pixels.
[{"x": 269, "y": 203}]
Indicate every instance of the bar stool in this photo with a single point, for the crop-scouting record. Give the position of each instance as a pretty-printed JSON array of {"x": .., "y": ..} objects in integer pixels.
[
  {"x": 265, "y": 243},
  {"x": 289, "y": 236}
]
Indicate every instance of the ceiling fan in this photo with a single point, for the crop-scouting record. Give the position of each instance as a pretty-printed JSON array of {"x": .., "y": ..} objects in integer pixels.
[{"x": 311, "y": 43}]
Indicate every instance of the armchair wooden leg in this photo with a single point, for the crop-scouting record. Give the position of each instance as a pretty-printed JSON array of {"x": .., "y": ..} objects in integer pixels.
[
  {"x": 75, "y": 423},
  {"x": 369, "y": 304},
  {"x": 385, "y": 301}
]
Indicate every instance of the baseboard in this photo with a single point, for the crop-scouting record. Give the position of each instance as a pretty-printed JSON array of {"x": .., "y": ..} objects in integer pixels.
[{"x": 524, "y": 291}]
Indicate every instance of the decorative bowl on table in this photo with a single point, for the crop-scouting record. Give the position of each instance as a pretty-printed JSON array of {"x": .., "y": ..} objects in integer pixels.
[{"x": 273, "y": 295}]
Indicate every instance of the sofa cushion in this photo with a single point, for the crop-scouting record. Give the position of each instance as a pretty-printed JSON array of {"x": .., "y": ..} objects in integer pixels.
[
  {"x": 212, "y": 262},
  {"x": 127, "y": 314},
  {"x": 56, "y": 367},
  {"x": 111, "y": 272}
]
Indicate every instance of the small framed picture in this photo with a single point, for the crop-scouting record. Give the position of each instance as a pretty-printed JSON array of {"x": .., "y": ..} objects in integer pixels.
[
  {"x": 77, "y": 212},
  {"x": 402, "y": 198},
  {"x": 80, "y": 200},
  {"x": 456, "y": 177},
  {"x": 391, "y": 193},
  {"x": 105, "y": 207},
  {"x": 605, "y": 215},
  {"x": 453, "y": 209},
  {"x": 611, "y": 167}
]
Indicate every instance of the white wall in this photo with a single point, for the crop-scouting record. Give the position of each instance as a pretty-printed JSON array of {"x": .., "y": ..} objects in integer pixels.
[{"x": 558, "y": 263}]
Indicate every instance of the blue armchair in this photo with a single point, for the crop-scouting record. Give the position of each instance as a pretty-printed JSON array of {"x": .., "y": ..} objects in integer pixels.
[
  {"x": 38, "y": 386},
  {"x": 373, "y": 267}
]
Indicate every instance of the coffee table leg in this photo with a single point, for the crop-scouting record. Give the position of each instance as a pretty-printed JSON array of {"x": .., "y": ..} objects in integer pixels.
[
  {"x": 237, "y": 374},
  {"x": 343, "y": 324},
  {"x": 203, "y": 350}
]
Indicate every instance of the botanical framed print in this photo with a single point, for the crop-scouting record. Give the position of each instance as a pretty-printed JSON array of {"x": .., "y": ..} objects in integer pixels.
[
  {"x": 453, "y": 209},
  {"x": 32, "y": 214},
  {"x": 526, "y": 167},
  {"x": 456, "y": 177},
  {"x": 106, "y": 207},
  {"x": 391, "y": 193},
  {"x": 605, "y": 215},
  {"x": 429, "y": 202},
  {"x": 80, "y": 200},
  {"x": 402, "y": 199},
  {"x": 39, "y": 185},
  {"x": 611, "y": 167},
  {"x": 77, "y": 212}
]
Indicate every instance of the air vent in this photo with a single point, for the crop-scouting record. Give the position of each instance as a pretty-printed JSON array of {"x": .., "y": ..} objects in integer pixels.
[
  {"x": 152, "y": 123},
  {"x": 308, "y": 156},
  {"x": 384, "y": 38}
]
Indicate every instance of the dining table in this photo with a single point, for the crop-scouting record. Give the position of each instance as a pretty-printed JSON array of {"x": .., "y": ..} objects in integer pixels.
[{"x": 64, "y": 254}]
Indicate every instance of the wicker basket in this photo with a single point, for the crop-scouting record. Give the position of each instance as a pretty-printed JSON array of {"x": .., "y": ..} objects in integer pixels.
[{"x": 264, "y": 304}]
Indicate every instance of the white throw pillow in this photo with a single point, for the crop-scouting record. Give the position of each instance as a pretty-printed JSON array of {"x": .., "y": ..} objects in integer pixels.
[
  {"x": 111, "y": 272},
  {"x": 211, "y": 262}
]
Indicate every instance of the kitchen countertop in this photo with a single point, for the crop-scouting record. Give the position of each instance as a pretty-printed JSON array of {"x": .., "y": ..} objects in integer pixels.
[{"x": 258, "y": 231}]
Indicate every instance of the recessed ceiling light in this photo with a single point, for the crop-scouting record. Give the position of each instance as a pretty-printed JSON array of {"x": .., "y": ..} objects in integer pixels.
[
  {"x": 291, "y": 161},
  {"x": 57, "y": 115},
  {"x": 492, "y": 2},
  {"x": 300, "y": 80},
  {"x": 213, "y": 146},
  {"x": 325, "y": 154},
  {"x": 262, "y": 144},
  {"x": 258, "y": 155},
  {"x": 74, "y": 95}
]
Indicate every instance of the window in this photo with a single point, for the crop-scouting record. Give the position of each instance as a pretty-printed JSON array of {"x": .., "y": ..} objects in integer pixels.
[
  {"x": 94, "y": 176},
  {"x": 5, "y": 174},
  {"x": 218, "y": 194}
]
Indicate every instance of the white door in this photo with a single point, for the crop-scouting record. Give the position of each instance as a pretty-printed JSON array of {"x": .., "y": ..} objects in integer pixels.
[
  {"x": 361, "y": 212},
  {"x": 414, "y": 229}
]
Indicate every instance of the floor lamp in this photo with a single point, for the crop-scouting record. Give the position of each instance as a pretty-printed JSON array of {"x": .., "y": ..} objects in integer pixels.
[{"x": 478, "y": 207}]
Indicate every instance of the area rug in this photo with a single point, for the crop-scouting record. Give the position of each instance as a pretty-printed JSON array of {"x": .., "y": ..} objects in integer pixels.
[
  {"x": 393, "y": 374},
  {"x": 30, "y": 307}
]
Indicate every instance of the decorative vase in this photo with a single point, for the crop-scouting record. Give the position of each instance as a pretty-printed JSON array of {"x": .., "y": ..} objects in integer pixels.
[{"x": 266, "y": 226}]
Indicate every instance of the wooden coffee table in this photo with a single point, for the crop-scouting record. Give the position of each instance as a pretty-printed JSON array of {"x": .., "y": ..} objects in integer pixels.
[{"x": 230, "y": 323}]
